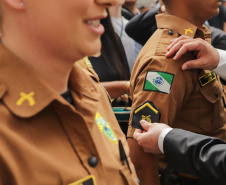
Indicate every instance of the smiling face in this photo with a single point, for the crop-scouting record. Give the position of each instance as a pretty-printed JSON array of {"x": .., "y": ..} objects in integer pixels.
[{"x": 70, "y": 28}]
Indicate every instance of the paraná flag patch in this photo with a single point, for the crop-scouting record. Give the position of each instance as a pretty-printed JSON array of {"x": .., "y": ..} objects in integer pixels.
[{"x": 158, "y": 81}]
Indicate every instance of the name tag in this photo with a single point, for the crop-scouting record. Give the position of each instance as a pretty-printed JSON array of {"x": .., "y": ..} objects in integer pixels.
[
  {"x": 89, "y": 180},
  {"x": 207, "y": 78}
]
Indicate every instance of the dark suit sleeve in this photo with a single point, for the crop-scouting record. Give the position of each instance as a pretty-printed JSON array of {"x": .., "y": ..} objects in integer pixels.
[
  {"x": 199, "y": 155},
  {"x": 142, "y": 26},
  {"x": 218, "y": 38}
]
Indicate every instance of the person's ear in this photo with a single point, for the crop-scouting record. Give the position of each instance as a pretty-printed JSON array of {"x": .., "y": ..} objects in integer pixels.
[{"x": 15, "y": 4}]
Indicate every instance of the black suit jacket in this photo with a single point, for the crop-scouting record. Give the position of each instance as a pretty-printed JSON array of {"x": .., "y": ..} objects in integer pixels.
[
  {"x": 218, "y": 38},
  {"x": 196, "y": 154},
  {"x": 128, "y": 14},
  {"x": 142, "y": 26}
]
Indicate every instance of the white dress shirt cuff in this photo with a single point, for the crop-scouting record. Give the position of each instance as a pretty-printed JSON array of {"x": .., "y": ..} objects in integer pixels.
[
  {"x": 221, "y": 68},
  {"x": 162, "y": 137}
]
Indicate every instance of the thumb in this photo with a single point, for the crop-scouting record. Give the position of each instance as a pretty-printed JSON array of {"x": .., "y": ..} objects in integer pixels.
[
  {"x": 137, "y": 133},
  {"x": 145, "y": 125},
  {"x": 192, "y": 64}
]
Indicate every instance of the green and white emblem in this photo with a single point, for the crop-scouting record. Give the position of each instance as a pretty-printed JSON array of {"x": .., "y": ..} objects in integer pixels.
[
  {"x": 105, "y": 128},
  {"x": 158, "y": 81}
]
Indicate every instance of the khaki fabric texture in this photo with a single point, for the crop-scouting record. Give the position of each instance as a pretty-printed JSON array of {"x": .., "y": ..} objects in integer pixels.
[
  {"x": 188, "y": 105},
  {"x": 83, "y": 63},
  {"x": 46, "y": 140}
]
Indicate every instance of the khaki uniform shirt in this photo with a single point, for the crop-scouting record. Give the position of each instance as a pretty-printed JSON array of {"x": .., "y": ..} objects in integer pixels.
[
  {"x": 192, "y": 100},
  {"x": 46, "y": 141}
]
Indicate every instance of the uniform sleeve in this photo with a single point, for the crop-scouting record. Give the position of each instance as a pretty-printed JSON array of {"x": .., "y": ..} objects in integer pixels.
[
  {"x": 163, "y": 83},
  {"x": 198, "y": 155}
]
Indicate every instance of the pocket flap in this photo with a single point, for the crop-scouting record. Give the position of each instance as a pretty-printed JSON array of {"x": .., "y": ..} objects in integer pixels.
[{"x": 212, "y": 92}]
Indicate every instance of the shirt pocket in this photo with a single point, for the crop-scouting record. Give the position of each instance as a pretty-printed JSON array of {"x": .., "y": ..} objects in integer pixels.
[{"x": 213, "y": 93}]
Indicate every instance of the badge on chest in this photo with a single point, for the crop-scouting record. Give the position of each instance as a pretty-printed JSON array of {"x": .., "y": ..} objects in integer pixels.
[
  {"x": 207, "y": 78},
  {"x": 105, "y": 128}
]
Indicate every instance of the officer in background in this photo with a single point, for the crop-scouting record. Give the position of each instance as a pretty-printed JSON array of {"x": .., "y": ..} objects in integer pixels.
[
  {"x": 162, "y": 92},
  {"x": 142, "y": 26},
  {"x": 209, "y": 154}
]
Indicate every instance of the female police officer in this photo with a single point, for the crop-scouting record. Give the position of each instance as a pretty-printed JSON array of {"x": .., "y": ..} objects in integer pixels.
[{"x": 44, "y": 138}]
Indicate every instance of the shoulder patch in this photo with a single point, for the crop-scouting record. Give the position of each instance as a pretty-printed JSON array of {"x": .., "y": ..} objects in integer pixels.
[
  {"x": 147, "y": 111},
  {"x": 158, "y": 81},
  {"x": 89, "y": 180},
  {"x": 207, "y": 78}
]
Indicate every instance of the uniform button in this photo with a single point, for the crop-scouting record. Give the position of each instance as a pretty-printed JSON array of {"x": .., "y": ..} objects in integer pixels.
[
  {"x": 170, "y": 32},
  {"x": 216, "y": 94},
  {"x": 93, "y": 161},
  {"x": 92, "y": 89}
]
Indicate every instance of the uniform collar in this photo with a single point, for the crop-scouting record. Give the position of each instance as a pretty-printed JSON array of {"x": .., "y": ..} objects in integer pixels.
[
  {"x": 181, "y": 26},
  {"x": 86, "y": 64},
  {"x": 81, "y": 81},
  {"x": 23, "y": 92}
]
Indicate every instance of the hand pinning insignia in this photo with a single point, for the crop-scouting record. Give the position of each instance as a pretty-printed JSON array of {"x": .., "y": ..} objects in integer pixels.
[
  {"x": 188, "y": 30},
  {"x": 29, "y": 97}
]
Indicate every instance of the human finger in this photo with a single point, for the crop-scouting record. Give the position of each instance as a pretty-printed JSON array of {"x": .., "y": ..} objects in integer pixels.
[
  {"x": 137, "y": 133},
  {"x": 193, "y": 64},
  {"x": 177, "y": 47},
  {"x": 125, "y": 97},
  {"x": 176, "y": 40},
  {"x": 146, "y": 125}
]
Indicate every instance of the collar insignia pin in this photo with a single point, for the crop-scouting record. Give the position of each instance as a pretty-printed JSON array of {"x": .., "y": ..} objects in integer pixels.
[
  {"x": 188, "y": 30},
  {"x": 87, "y": 62},
  {"x": 29, "y": 97}
]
